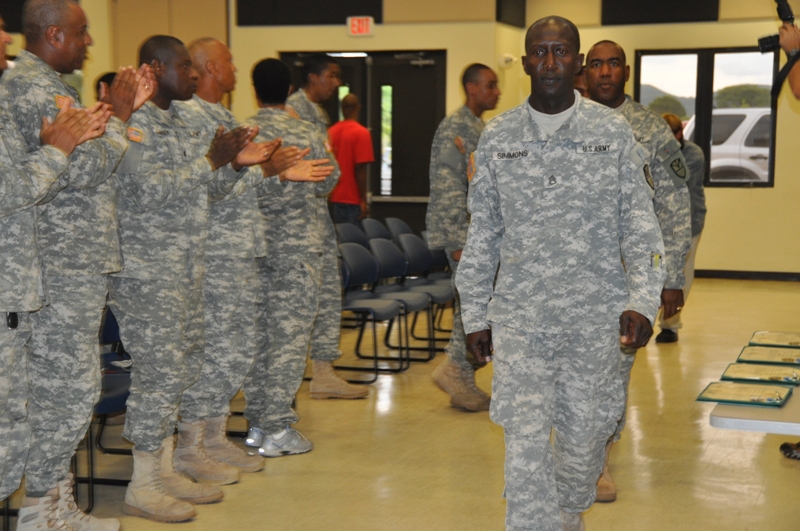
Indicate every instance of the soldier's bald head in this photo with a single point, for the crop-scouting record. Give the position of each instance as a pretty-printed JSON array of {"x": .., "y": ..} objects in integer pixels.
[
  {"x": 619, "y": 49},
  {"x": 161, "y": 48},
  {"x": 205, "y": 50},
  {"x": 555, "y": 22},
  {"x": 38, "y": 15}
]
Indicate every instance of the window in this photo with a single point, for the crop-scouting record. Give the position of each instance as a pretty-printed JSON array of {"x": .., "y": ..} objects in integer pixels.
[
  {"x": 723, "y": 97},
  {"x": 386, "y": 140}
]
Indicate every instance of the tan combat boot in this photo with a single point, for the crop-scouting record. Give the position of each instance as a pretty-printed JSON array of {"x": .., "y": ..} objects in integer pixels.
[
  {"x": 221, "y": 449},
  {"x": 180, "y": 486},
  {"x": 41, "y": 514},
  {"x": 146, "y": 497},
  {"x": 606, "y": 488},
  {"x": 192, "y": 460},
  {"x": 463, "y": 395},
  {"x": 572, "y": 522},
  {"x": 74, "y": 517},
  {"x": 469, "y": 378},
  {"x": 325, "y": 383}
]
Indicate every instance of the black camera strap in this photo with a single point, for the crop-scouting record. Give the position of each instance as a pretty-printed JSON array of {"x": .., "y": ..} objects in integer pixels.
[{"x": 782, "y": 75}]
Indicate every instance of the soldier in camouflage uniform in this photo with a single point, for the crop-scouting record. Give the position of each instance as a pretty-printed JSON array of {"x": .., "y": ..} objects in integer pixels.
[
  {"x": 292, "y": 275},
  {"x": 25, "y": 179},
  {"x": 606, "y": 74},
  {"x": 321, "y": 78},
  {"x": 230, "y": 283},
  {"x": 447, "y": 220},
  {"x": 176, "y": 162},
  {"x": 559, "y": 199},
  {"x": 77, "y": 241},
  {"x": 696, "y": 165}
]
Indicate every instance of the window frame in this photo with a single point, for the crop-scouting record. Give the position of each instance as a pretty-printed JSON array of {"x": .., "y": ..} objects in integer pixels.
[{"x": 704, "y": 105}]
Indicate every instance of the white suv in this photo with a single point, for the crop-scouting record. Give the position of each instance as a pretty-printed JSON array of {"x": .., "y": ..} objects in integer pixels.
[{"x": 740, "y": 140}]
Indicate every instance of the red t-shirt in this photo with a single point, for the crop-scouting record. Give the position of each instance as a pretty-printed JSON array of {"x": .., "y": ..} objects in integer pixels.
[{"x": 351, "y": 142}]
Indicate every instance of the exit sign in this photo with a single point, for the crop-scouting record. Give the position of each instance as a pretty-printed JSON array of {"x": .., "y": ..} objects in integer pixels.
[{"x": 360, "y": 26}]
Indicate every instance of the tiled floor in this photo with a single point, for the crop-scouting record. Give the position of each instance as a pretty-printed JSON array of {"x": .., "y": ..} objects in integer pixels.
[{"x": 403, "y": 460}]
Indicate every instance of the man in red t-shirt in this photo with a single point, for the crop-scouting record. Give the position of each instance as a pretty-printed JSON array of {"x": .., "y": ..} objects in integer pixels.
[{"x": 352, "y": 145}]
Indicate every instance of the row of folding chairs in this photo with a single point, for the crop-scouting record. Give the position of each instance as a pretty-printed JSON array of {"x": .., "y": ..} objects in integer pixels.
[
  {"x": 349, "y": 233},
  {"x": 388, "y": 281}
]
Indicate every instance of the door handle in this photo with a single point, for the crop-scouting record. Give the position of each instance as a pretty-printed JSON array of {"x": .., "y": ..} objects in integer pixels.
[{"x": 759, "y": 157}]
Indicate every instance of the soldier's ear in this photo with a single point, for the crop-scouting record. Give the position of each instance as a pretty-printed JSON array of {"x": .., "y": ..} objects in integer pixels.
[
  {"x": 158, "y": 68},
  {"x": 627, "y": 72},
  {"x": 579, "y": 63},
  {"x": 210, "y": 67},
  {"x": 54, "y": 36}
]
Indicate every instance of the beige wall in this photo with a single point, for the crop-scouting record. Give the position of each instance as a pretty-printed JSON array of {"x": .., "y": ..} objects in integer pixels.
[
  {"x": 465, "y": 43},
  {"x": 739, "y": 9},
  {"x": 514, "y": 86},
  {"x": 136, "y": 20},
  {"x": 582, "y": 12}
]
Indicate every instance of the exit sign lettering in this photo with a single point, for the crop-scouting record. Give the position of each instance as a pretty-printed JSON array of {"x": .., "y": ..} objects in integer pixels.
[{"x": 360, "y": 26}]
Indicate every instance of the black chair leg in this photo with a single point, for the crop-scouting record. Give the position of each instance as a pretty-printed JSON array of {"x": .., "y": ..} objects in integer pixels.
[
  {"x": 8, "y": 512},
  {"x": 91, "y": 480},
  {"x": 99, "y": 440},
  {"x": 431, "y": 349}
]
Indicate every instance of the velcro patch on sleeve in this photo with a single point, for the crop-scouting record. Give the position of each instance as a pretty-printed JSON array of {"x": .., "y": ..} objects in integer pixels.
[
  {"x": 61, "y": 101},
  {"x": 471, "y": 166},
  {"x": 460, "y": 145},
  {"x": 135, "y": 135}
]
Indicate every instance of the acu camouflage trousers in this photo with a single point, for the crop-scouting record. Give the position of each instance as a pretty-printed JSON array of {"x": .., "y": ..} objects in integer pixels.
[
  {"x": 229, "y": 293},
  {"x": 628, "y": 357},
  {"x": 63, "y": 374},
  {"x": 456, "y": 348},
  {"x": 15, "y": 433},
  {"x": 560, "y": 383},
  {"x": 161, "y": 325},
  {"x": 325, "y": 337},
  {"x": 289, "y": 300}
]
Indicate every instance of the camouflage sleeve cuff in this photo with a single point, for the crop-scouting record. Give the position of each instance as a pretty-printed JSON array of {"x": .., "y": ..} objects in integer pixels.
[
  {"x": 477, "y": 327},
  {"x": 647, "y": 310},
  {"x": 55, "y": 159}
]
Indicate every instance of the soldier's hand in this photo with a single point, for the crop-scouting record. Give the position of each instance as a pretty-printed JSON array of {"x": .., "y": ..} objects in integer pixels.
[
  {"x": 122, "y": 93},
  {"x": 226, "y": 145},
  {"x": 255, "y": 153},
  {"x": 314, "y": 170},
  {"x": 283, "y": 159},
  {"x": 66, "y": 130},
  {"x": 99, "y": 114},
  {"x": 146, "y": 86},
  {"x": 480, "y": 345},
  {"x": 671, "y": 301},
  {"x": 634, "y": 329},
  {"x": 456, "y": 255}
]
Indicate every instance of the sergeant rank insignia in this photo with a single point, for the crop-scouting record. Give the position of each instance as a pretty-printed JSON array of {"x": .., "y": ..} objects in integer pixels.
[{"x": 678, "y": 167}]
